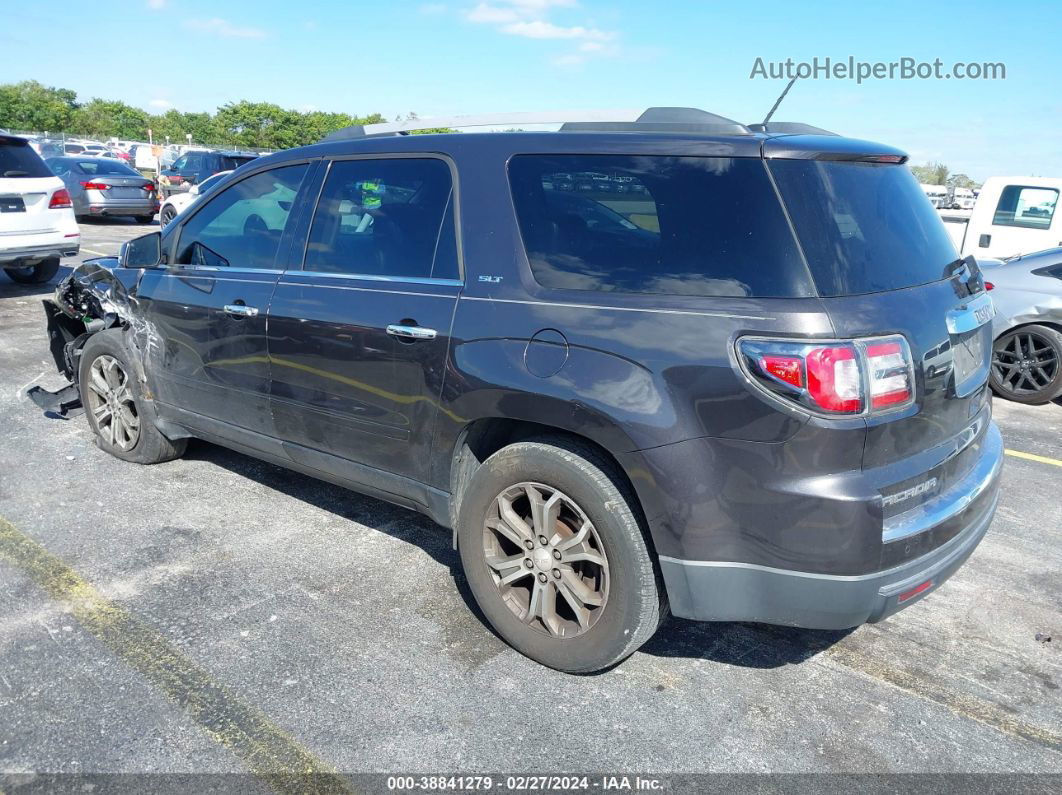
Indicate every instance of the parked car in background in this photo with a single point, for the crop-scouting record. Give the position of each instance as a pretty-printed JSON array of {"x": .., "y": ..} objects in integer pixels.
[
  {"x": 175, "y": 203},
  {"x": 1027, "y": 329},
  {"x": 194, "y": 167},
  {"x": 101, "y": 186},
  {"x": 37, "y": 224},
  {"x": 73, "y": 149},
  {"x": 720, "y": 394}
]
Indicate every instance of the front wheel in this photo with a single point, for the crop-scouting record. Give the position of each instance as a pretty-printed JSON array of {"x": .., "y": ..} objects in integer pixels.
[
  {"x": 556, "y": 556},
  {"x": 114, "y": 402},
  {"x": 35, "y": 274},
  {"x": 167, "y": 215},
  {"x": 1027, "y": 365}
]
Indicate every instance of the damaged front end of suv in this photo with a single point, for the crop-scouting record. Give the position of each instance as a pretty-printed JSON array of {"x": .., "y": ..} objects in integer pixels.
[{"x": 99, "y": 294}]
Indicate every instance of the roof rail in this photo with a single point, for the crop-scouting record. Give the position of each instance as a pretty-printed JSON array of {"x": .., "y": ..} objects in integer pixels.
[
  {"x": 789, "y": 128},
  {"x": 481, "y": 120},
  {"x": 653, "y": 119}
]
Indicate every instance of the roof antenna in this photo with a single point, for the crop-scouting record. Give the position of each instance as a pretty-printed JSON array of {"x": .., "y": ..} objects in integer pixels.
[{"x": 778, "y": 102}]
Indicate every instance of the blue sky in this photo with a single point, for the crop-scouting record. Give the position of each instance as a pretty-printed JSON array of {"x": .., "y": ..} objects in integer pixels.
[{"x": 465, "y": 56}]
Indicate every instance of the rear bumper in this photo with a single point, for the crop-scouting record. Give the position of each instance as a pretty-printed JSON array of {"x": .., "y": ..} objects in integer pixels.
[
  {"x": 28, "y": 255},
  {"x": 121, "y": 207},
  {"x": 721, "y": 591}
]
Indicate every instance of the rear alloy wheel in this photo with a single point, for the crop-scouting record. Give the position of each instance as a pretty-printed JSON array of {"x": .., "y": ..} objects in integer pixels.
[
  {"x": 557, "y": 556},
  {"x": 1027, "y": 365},
  {"x": 546, "y": 559},
  {"x": 35, "y": 274}
]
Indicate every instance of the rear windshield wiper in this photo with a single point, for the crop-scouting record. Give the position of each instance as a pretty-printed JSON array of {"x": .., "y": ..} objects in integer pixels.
[{"x": 14, "y": 172}]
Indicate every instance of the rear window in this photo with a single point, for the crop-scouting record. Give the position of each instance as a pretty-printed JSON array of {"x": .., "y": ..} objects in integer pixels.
[
  {"x": 229, "y": 163},
  {"x": 17, "y": 159},
  {"x": 654, "y": 224},
  {"x": 103, "y": 166},
  {"x": 864, "y": 227}
]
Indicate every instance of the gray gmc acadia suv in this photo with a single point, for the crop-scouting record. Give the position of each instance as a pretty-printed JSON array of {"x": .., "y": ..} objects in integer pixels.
[{"x": 737, "y": 372}]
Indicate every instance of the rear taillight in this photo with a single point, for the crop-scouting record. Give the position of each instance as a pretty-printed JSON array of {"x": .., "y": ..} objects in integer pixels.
[
  {"x": 834, "y": 382},
  {"x": 60, "y": 199},
  {"x": 95, "y": 186},
  {"x": 149, "y": 187},
  {"x": 889, "y": 371},
  {"x": 989, "y": 286},
  {"x": 851, "y": 377}
]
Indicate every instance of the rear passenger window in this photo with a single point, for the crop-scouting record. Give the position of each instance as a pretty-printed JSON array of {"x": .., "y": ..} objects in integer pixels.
[
  {"x": 653, "y": 224},
  {"x": 242, "y": 225},
  {"x": 385, "y": 218},
  {"x": 1029, "y": 207}
]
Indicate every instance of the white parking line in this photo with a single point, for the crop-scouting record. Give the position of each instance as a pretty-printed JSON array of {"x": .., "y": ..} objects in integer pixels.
[{"x": 93, "y": 251}]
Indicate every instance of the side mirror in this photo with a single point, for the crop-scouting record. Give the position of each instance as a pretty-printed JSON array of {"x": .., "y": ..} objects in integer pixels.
[{"x": 141, "y": 252}]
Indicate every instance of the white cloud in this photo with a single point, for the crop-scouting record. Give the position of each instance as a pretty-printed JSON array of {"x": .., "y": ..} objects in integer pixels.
[
  {"x": 217, "y": 26},
  {"x": 488, "y": 14},
  {"x": 156, "y": 4},
  {"x": 530, "y": 19},
  {"x": 541, "y": 29},
  {"x": 161, "y": 104}
]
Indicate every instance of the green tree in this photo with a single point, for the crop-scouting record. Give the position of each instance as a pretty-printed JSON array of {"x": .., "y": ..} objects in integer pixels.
[
  {"x": 103, "y": 118},
  {"x": 29, "y": 105},
  {"x": 931, "y": 173},
  {"x": 961, "y": 181}
]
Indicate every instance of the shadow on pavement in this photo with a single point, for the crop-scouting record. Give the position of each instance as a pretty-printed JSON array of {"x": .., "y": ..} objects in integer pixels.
[{"x": 737, "y": 644}]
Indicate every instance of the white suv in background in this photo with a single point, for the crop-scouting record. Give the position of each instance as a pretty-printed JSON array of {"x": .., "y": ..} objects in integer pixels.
[{"x": 37, "y": 224}]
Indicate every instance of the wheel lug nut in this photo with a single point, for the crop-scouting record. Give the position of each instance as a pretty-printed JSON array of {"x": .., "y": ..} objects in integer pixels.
[
  {"x": 556, "y": 573},
  {"x": 556, "y": 554},
  {"x": 541, "y": 577},
  {"x": 529, "y": 543},
  {"x": 528, "y": 562},
  {"x": 542, "y": 540}
]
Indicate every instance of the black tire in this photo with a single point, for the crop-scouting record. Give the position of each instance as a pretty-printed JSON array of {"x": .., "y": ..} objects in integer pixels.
[
  {"x": 150, "y": 446},
  {"x": 145, "y": 219},
  {"x": 634, "y": 605},
  {"x": 1027, "y": 365},
  {"x": 166, "y": 215},
  {"x": 35, "y": 274}
]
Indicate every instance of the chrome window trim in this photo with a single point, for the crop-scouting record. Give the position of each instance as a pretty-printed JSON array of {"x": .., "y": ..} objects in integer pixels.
[
  {"x": 368, "y": 277},
  {"x": 570, "y": 305}
]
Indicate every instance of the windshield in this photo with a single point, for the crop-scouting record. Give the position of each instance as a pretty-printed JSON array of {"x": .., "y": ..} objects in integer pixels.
[{"x": 864, "y": 227}]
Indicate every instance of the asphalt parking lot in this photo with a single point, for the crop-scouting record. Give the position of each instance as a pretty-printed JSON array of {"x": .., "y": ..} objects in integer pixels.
[{"x": 218, "y": 614}]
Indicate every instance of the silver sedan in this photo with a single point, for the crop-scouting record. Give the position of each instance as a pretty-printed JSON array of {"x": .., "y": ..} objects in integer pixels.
[
  {"x": 1027, "y": 355},
  {"x": 103, "y": 186}
]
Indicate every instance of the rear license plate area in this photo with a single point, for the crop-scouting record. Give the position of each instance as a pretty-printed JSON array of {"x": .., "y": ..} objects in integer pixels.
[{"x": 12, "y": 204}]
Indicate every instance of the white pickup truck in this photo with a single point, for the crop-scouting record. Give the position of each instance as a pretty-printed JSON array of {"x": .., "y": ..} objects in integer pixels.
[{"x": 1012, "y": 215}]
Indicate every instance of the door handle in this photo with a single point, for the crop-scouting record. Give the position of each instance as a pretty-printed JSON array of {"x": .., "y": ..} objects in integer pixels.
[
  {"x": 411, "y": 332},
  {"x": 240, "y": 310}
]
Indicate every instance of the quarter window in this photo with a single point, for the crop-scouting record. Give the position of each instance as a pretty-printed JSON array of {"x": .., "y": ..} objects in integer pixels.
[
  {"x": 385, "y": 218},
  {"x": 708, "y": 226},
  {"x": 242, "y": 225},
  {"x": 1029, "y": 207}
]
